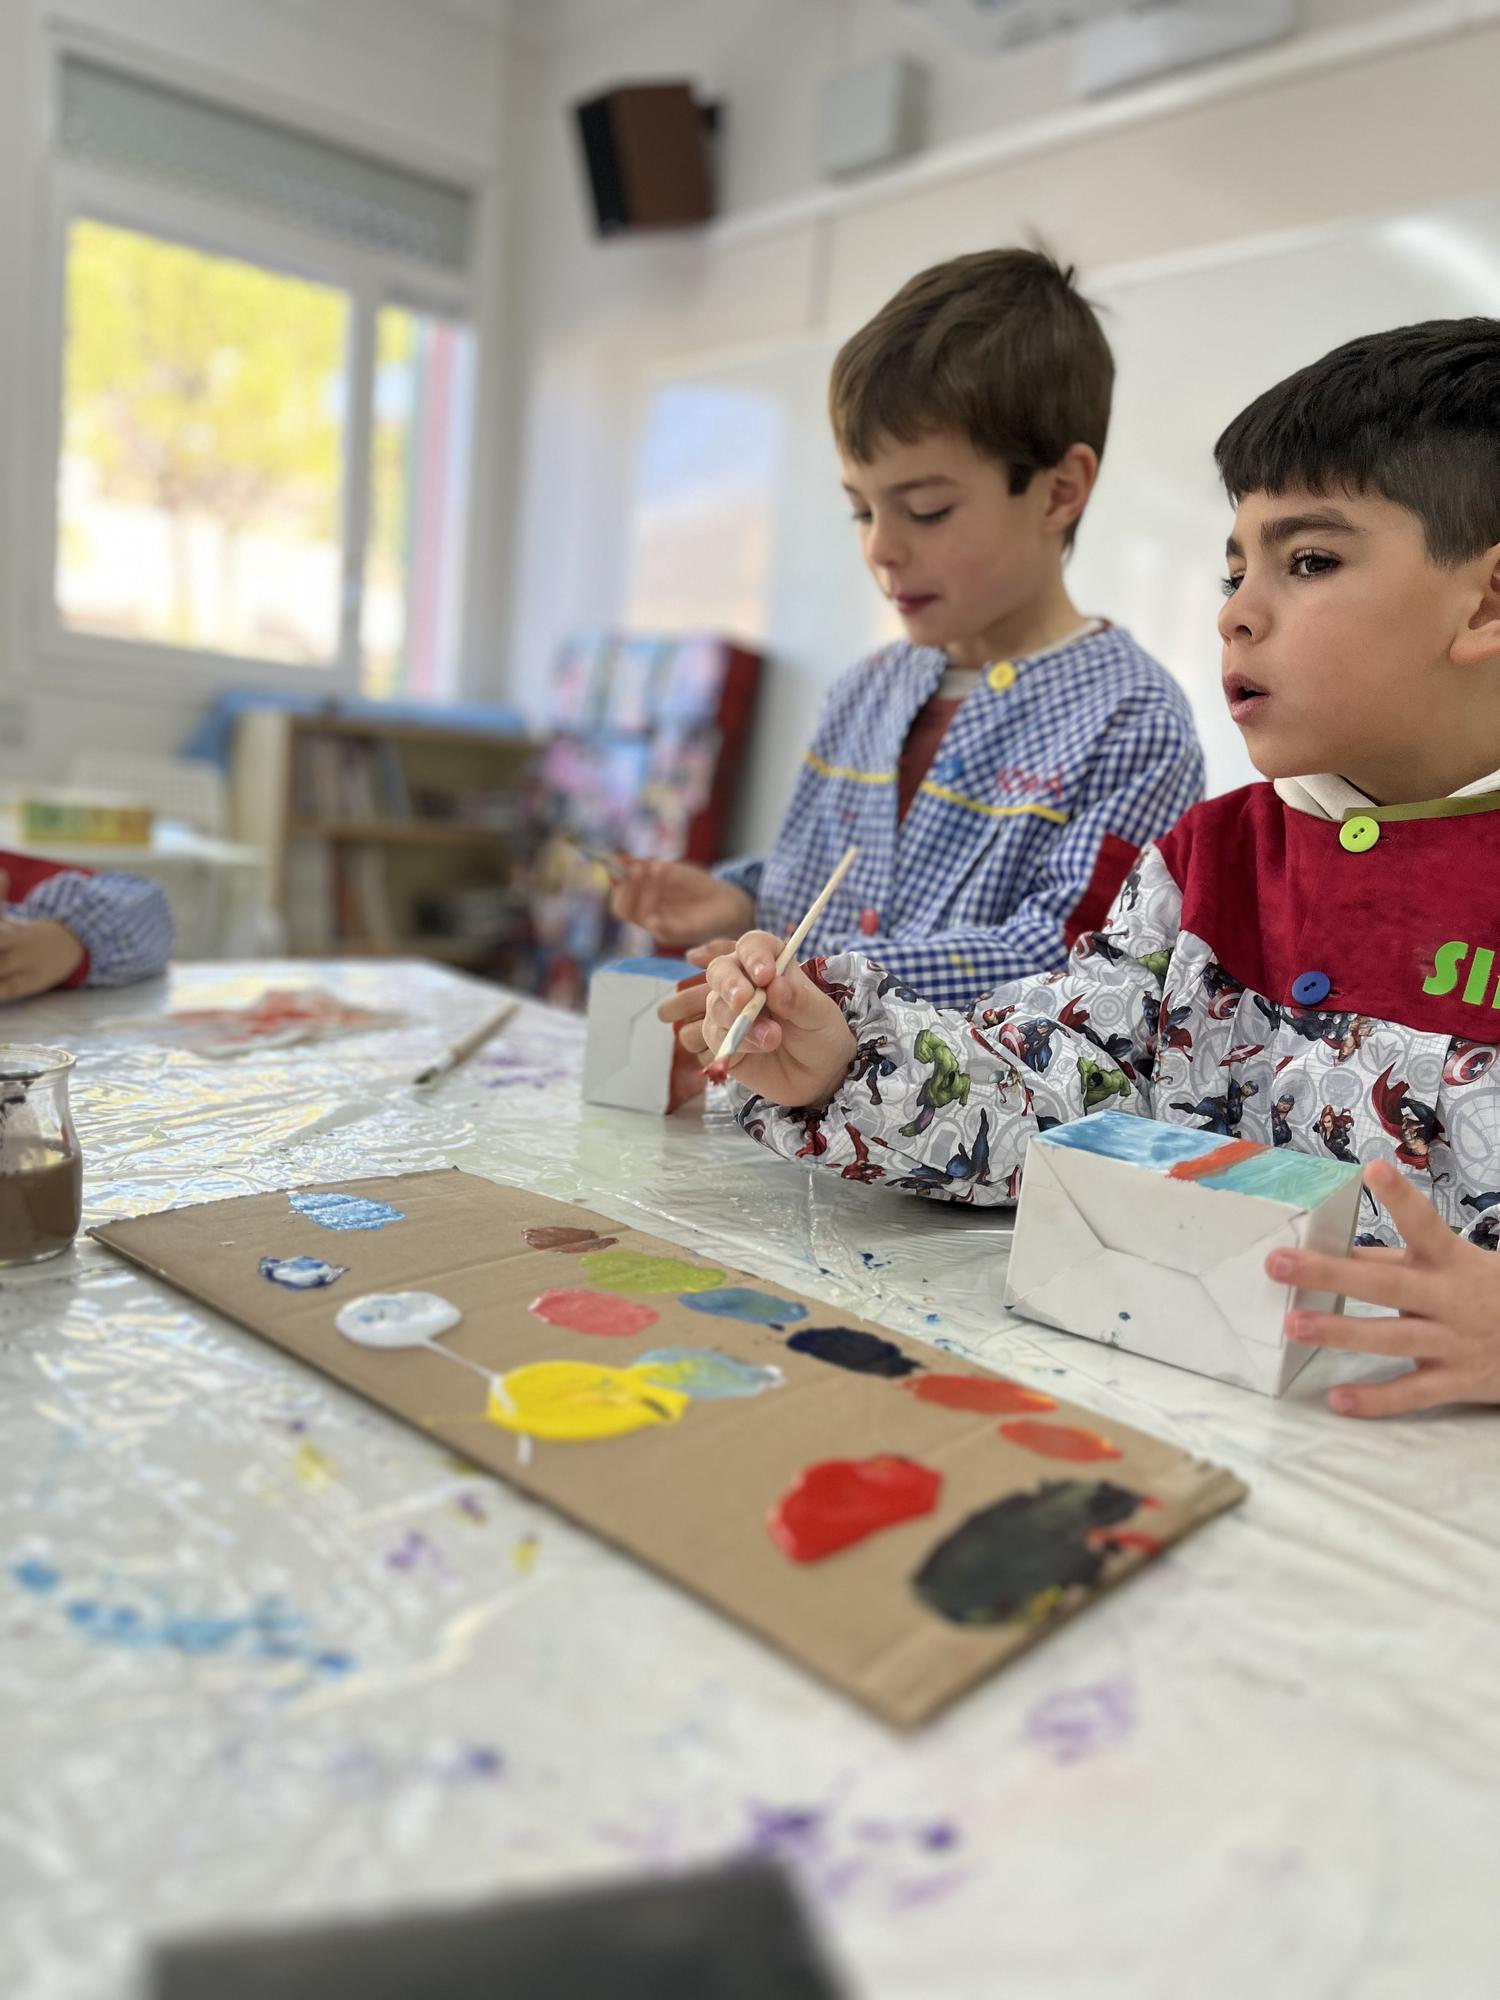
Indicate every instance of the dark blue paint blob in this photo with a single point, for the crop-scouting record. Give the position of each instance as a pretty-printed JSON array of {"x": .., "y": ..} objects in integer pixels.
[{"x": 860, "y": 1353}]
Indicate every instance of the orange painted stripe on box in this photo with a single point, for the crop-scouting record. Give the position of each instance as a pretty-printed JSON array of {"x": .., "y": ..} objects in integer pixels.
[{"x": 1217, "y": 1162}]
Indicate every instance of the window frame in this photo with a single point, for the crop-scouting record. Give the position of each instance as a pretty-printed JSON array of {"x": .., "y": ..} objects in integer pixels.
[{"x": 87, "y": 663}]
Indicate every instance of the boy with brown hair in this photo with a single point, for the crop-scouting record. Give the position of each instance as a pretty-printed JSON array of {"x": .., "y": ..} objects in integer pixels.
[
  {"x": 999, "y": 768},
  {"x": 1308, "y": 962}
]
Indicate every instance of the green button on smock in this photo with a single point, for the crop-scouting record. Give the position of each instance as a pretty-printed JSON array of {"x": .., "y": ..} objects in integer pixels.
[{"x": 1359, "y": 835}]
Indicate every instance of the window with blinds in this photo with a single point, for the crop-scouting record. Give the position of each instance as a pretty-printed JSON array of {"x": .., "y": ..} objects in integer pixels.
[{"x": 228, "y": 425}]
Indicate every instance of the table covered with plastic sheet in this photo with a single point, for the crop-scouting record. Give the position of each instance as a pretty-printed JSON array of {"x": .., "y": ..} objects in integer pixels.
[{"x": 270, "y": 1655}]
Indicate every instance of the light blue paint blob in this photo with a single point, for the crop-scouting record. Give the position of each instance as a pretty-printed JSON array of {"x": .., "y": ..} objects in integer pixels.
[
  {"x": 740, "y": 1302},
  {"x": 345, "y": 1211},
  {"x": 1143, "y": 1142},
  {"x": 707, "y": 1376},
  {"x": 269, "y": 1632},
  {"x": 300, "y": 1274},
  {"x": 1301, "y": 1179},
  {"x": 36, "y": 1576},
  {"x": 654, "y": 968}
]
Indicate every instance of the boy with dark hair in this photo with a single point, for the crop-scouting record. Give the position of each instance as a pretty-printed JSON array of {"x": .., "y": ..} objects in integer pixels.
[
  {"x": 1310, "y": 961},
  {"x": 1000, "y": 768}
]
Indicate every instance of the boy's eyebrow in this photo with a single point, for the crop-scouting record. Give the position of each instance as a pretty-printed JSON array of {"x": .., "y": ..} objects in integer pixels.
[
  {"x": 909, "y": 485},
  {"x": 1282, "y": 527}
]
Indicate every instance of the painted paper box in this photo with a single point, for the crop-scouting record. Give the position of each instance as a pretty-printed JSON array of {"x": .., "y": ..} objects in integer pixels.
[
  {"x": 631, "y": 1059},
  {"x": 1154, "y": 1237}
]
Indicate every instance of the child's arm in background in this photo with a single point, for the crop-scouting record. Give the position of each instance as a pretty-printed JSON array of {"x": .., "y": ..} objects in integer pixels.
[
  {"x": 680, "y": 904},
  {"x": 1147, "y": 771},
  {"x": 848, "y": 1069},
  {"x": 1446, "y": 1291},
  {"x": 120, "y": 924}
]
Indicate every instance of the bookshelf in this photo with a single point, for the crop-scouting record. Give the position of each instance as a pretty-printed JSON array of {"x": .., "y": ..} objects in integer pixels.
[{"x": 387, "y": 839}]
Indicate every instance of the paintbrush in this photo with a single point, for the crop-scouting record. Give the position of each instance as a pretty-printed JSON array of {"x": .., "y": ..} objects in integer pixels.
[
  {"x": 465, "y": 1046},
  {"x": 612, "y": 865},
  {"x": 740, "y": 1026}
]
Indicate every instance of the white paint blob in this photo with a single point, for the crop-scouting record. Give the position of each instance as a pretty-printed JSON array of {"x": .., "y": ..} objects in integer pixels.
[{"x": 397, "y": 1319}]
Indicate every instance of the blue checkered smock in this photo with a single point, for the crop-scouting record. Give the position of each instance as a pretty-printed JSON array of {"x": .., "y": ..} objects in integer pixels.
[{"x": 1054, "y": 770}]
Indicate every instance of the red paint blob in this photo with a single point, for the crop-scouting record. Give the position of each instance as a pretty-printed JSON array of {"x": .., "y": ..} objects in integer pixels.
[
  {"x": 592, "y": 1312},
  {"x": 990, "y": 1396},
  {"x": 717, "y": 1072},
  {"x": 841, "y": 1500},
  {"x": 1059, "y": 1441},
  {"x": 1216, "y": 1162}
]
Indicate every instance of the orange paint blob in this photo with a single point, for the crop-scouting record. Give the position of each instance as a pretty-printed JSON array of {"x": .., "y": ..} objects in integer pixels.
[
  {"x": 1217, "y": 1162},
  {"x": 989, "y": 1396},
  {"x": 1060, "y": 1441}
]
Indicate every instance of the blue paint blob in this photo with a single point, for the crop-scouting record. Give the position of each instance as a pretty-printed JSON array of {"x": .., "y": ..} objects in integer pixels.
[
  {"x": 1124, "y": 1315},
  {"x": 344, "y": 1211},
  {"x": 847, "y": 1347},
  {"x": 301, "y": 1274},
  {"x": 36, "y": 1576},
  {"x": 706, "y": 1376},
  {"x": 740, "y": 1302}
]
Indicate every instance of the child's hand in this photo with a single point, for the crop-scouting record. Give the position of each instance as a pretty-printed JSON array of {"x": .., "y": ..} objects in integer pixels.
[
  {"x": 679, "y": 904},
  {"x": 797, "y": 1053},
  {"x": 1446, "y": 1291},
  {"x": 35, "y": 955}
]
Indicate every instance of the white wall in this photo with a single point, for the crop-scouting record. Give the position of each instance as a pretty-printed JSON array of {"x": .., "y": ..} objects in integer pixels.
[
  {"x": 1375, "y": 108},
  {"x": 421, "y": 79}
]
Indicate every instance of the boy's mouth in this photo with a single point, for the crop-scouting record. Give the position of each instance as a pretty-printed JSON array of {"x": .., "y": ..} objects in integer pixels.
[
  {"x": 1246, "y": 697},
  {"x": 908, "y": 603}
]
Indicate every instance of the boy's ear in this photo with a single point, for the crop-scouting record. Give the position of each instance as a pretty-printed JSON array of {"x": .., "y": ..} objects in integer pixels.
[
  {"x": 1478, "y": 644},
  {"x": 1068, "y": 486}
]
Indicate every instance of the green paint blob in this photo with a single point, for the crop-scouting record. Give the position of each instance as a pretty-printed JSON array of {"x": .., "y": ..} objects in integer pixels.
[{"x": 632, "y": 1271}]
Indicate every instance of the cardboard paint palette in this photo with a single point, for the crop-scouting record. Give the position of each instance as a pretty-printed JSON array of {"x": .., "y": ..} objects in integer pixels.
[{"x": 894, "y": 1521}]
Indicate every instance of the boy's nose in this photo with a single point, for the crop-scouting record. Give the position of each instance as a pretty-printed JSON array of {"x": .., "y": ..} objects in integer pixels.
[
  {"x": 885, "y": 549},
  {"x": 1238, "y": 617}
]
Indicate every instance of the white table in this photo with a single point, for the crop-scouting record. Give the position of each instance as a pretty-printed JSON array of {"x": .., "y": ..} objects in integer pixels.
[
  {"x": 1265, "y": 1769},
  {"x": 219, "y": 890}
]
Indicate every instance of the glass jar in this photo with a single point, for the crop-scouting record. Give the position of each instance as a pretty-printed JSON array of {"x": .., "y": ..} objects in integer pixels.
[{"x": 41, "y": 1167}]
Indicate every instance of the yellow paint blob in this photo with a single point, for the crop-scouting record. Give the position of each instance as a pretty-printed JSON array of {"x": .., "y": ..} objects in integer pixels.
[
  {"x": 632, "y": 1271},
  {"x": 571, "y": 1402},
  {"x": 312, "y": 1468},
  {"x": 523, "y": 1554}
]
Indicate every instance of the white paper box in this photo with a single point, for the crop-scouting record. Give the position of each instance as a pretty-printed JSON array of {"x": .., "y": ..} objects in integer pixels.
[
  {"x": 631, "y": 1059},
  {"x": 1113, "y": 1244}
]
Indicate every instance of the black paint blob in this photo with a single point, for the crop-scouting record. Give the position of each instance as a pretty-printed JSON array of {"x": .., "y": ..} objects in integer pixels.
[
  {"x": 1005, "y": 1557},
  {"x": 846, "y": 1347}
]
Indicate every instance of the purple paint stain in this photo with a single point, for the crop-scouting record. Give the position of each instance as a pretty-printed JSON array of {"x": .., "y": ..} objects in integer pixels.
[
  {"x": 477, "y": 1760},
  {"x": 775, "y": 1829},
  {"x": 1084, "y": 1721},
  {"x": 467, "y": 1503},
  {"x": 937, "y": 1838}
]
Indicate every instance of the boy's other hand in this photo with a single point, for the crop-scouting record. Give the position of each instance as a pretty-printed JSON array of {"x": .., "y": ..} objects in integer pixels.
[
  {"x": 35, "y": 956},
  {"x": 1446, "y": 1291},
  {"x": 679, "y": 904},
  {"x": 799, "y": 1050}
]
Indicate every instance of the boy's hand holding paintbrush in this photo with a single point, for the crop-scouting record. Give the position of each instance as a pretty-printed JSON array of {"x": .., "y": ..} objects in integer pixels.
[{"x": 801, "y": 1053}]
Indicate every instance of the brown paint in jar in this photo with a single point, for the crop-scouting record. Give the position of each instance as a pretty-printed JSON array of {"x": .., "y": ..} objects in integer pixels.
[{"x": 41, "y": 1168}]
